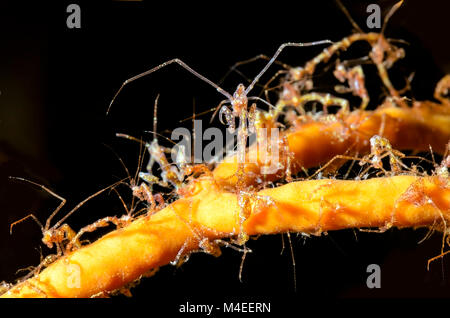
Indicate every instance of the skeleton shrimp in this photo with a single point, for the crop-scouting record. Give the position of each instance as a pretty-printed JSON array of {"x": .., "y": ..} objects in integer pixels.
[
  {"x": 170, "y": 174},
  {"x": 355, "y": 78},
  {"x": 239, "y": 109},
  {"x": 45, "y": 262},
  {"x": 142, "y": 192},
  {"x": 380, "y": 48},
  {"x": 59, "y": 232},
  {"x": 380, "y": 148},
  {"x": 383, "y": 55}
]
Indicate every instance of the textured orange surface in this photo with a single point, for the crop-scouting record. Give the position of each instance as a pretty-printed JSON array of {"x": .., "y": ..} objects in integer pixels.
[
  {"x": 316, "y": 142},
  {"x": 313, "y": 206}
]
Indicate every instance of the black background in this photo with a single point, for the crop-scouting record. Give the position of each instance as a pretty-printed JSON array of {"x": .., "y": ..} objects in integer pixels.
[{"x": 56, "y": 84}]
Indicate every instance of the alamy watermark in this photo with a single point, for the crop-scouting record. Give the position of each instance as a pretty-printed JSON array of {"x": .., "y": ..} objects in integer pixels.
[
  {"x": 73, "y": 20},
  {"x": 212, "y": 146},
  {"x": 374, "y": 279},
  {"x": 374, "y": 19}
]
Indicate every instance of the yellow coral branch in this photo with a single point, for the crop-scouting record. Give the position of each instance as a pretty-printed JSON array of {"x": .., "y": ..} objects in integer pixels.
[
  {"x": 315, "y": 142},
  {"x": 209, "y": 212}
]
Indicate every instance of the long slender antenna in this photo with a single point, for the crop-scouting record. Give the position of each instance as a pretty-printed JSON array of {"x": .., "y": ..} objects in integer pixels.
[
  {"x": 349, "y": 17},
  {"x": 247, "y": 61},
  {"x": 293, "y": 261},
  {"x": 193, "y": 132},
  {"x": 57, "y": 224},
  {"x": 261, "y": 100},
  {"x": 274, "y": 57},
  {"x": 123, "y": 202},
  {"x": 155, "y": 117},
  {"x": 162, "y": 136},
  {"x": 63, "y": 201},
  {"x": 217, "y": 109},
  {"x": 120, "y": 159},
  {"x": 140, "y": 140},
  {"x": 389, "y": 15},
  {"x": 199, "y": 114},
  {"x": 130, "y": 138},
  {"x": 23, "y": 219},
  {"x": 135, "y": 182},
  {"x": 160, "y": 66},
  {"x": 432, "y": 156},
  {"x": 140, "y": 160}
]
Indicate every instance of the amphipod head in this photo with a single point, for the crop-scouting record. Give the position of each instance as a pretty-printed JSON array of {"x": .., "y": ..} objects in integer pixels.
[
  {"x": 48, "y": 238},
  {"x": 239, "y": 101}
]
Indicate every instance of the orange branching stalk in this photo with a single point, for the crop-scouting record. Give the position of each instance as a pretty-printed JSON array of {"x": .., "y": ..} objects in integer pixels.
[
  {"x": 209, "y": 214},
  {"x": 312, "y": 142}
]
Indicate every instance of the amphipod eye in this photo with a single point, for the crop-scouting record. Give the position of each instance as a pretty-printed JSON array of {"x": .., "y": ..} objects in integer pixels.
[{"x": 239, "y": 91}]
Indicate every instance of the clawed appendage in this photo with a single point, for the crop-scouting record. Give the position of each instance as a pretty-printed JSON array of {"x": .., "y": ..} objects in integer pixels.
[
  {"x": 35, "y": 270},
  {"x": 291, "y": 97},
  {"x": 170, "y": 175},
  {"x": 211, "y": 247},
  {"x": 118, "y": 222},
  {"x": 249, "y": 203},
  {"x": 380, "y": 148},
  {"x": 441, "y": 92},
  {"x": 356, "y": 83},
  {"x": 382, "y": 229},
  {"x": 60, "y": 232}
]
